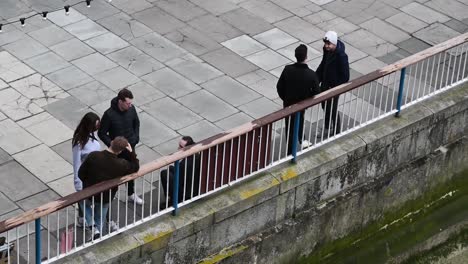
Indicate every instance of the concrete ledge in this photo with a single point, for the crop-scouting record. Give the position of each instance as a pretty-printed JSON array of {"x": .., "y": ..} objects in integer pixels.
[{"x": 319, "y": 181}]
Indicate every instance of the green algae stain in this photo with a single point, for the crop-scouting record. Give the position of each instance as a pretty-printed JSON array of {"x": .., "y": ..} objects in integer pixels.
[
  {"x": 401, "y": 230},
  {"x": 225, "y": 253}
]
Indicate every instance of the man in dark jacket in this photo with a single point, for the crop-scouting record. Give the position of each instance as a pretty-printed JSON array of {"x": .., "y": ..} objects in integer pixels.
[
  {"x": 332, "y": 71},
  {"x": 121, "y": 119},
  {"x": 189, "y": 176},
  {"x": 297, "y": 83},
  {"x": 101, "y": 166}
]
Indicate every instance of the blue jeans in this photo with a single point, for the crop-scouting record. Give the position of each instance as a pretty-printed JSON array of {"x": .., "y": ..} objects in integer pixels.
[{"x": 99, "y": 216}]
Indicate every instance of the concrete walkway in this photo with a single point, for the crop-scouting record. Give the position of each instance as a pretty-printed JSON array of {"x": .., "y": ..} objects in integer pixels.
[{"x": 196, "y": 68}]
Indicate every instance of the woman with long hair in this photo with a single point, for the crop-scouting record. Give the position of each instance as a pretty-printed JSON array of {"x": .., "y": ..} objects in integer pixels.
[{"x": 84, "y": 142}]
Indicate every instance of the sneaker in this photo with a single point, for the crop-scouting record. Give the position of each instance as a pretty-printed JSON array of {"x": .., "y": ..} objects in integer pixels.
[
  {"x": 113, "y": 226},
  {"x": 136, "y": 199},
  {"x": 82, "y": 223},
  {"x": 305, "y": 144},
  {"x": 96, "y": 233}
]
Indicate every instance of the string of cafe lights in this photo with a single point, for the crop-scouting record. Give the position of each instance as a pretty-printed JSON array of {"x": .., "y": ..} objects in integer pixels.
[{"x": 44, "y": 14}]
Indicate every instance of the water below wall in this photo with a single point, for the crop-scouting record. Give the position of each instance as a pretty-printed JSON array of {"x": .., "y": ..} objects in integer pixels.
[{"x": 399, "y": 232}]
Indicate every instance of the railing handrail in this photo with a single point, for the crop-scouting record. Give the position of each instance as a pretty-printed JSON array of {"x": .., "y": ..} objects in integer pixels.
[{"x": 73, "y": 198}]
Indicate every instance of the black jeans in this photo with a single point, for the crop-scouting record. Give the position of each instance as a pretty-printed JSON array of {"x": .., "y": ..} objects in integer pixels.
[
  {"x": 330, "y": 107},
  {"x": 291, "y": 129},
  {"x": 131, "y": 184}
]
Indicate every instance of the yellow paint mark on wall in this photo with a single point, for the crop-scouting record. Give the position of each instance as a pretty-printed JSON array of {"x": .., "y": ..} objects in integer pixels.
[
  {"x": 290, "y": 173},
  {"x": 249, "y": 193},
  {"x": 150, "y": 237},
  {"x": 225, "y": 253}
]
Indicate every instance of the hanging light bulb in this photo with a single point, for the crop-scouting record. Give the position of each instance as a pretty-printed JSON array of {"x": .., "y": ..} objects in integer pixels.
[
  {"x": 67, "y": 9},
  {"x": 88, "y": 3},
  {"x": 1, "y": 25},
  {"x": 23, "y": 21},
  {"x": 110, "y": 1},
  {"x": 44, "y": 15}
]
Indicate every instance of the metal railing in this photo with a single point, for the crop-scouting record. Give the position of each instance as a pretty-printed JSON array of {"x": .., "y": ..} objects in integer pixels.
[{"x": 52, "y": 231}]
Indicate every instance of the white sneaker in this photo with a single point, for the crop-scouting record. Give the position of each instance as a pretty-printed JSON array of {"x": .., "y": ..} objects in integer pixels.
[
  {"x": 96, "y": 233},
  {"x": 113, "y": 226},
  {"x": 306, "y": 144},
  {"x": 82, "y": 223},
  {"x": 136, "y": 199}
]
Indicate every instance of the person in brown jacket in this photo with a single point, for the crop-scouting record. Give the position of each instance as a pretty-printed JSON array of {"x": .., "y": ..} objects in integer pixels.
[{"x": 101, "y": 166}]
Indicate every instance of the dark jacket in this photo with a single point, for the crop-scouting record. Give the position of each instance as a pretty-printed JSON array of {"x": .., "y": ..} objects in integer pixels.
[
  {"x": 188, "y": 168},
  {"x": 103, "y": 165},
  {"x": 296, "y": 83},
  {"x": 116, "y": 123},
  {"x": 334, "y": 68}
]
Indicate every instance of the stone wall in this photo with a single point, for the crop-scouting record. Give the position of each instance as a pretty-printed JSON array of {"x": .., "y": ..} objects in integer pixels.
[{"x": 331, "y": 192}]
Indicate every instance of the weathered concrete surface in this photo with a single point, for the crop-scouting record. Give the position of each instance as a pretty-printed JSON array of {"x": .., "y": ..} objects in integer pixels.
[{"x": 334, "y": 190}]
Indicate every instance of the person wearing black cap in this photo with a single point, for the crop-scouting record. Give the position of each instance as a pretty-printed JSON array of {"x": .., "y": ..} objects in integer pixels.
[
  {"x": 332, "y": 71},
  {"x": 297, "y": 83}
]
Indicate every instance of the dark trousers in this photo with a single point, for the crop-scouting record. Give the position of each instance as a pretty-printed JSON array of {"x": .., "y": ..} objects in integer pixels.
[
  {"x": 330, "y": 107},
  {"x": 290, "y": 128},
  {"x": 131, "y": 184}
]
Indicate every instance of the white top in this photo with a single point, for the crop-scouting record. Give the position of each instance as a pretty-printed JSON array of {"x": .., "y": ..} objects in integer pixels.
[{"x": 79, "y": 155}]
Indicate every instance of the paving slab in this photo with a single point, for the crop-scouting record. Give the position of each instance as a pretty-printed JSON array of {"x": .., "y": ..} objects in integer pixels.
[
  {"x": 50, "y": 35},
  {"x": 170, "y": 82},
  {"x": 107, "y": 43},
  {"x": 4, "y": 156},
  {"x": 100, "y": 9},
  {"x": 215, "y": 7},
  {"x": 63, "y": 186},
  {"x": 85, "y": 29},
  {"x": 339, "y": 25},
  {"x": 146, "y": 154},
  {"x": 230, "y": 91},
  {"x": 64, "y": 149},
  {"x": 94, "y": 64},
  {"x": 10, "y": 34},
  {"x": 413, "y": 45},
  {"x": 135, "y": 61},
  {"x": 158, "y": 47},
  {"x": 424, "y": 13},
  {"x": 38, "y": 159},
  {"x": 457, "y": 25},
  {"x": 268, "y": 59},
  {"x": 47, "y": 62},
  {"x": 207, "y": 105},
  {"x": 262, "y": 82},
  {"x": 6, "y": 205},
  {"x": 436, "y": 33},
  {"x": 394, "y": 56},
  {"x": 72, "y": 49},
  {"x": 61, "y": 19},
  {"x": 367, "y": 65},
  {"x": 69, "y": 78},
  {"x": 17, "y": 106},
  {"x": 25, "y": 47},
  {"x": 385, "y": 30},
  {"x": 260, "y": 107},
  {"x": 200, "y": 130},
  {"x": 116, "y": 78},
  {"x": 300, "y": 29},
  {"x": 233, "y": 121},
  {"x": 131, "y": 6},
  {"x": 229, "y": 62},
  {"x": 39, "y": 90},
  {"x": 193, "y": 40},
  {"x": 369, "y": 43},
  {"x": 69, "y": 111},
  {"x": 243, "y": 45},
  {"x": 265, "y": 10},
  {"x": 30, "y": 185},
  {"x": 124, "y": 26},
  {"x": 320, "y": 17},
  {"x": 40, "y": 126},
  {"x": 275, "y": 38},
  {"x": 154, "y": 132},
  {"x": 194, "y": 69},
  {"x": 12, "y": 69},
  {"x": 181, "y": 9},
  {"x": 168, "y": 147},
  {"x": 289, "y": 52},
  {"x": 158, "y": 20},
  {"x": 246, "y": 21},
  {"x": 171, "y": 113},
  {"x": 406, "y": 22},
  {"x": 215, "y": 28},
  {"x": 144, "y": 93},
  {"x": 453, "y": 9}
]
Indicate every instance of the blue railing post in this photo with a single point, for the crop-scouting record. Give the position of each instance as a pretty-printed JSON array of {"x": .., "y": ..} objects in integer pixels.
[
  {"x": 400, "y": 92},
  {"x": 295, "y": 135},
  {"x": 38, "y": 240},
  {"x": 175, "y": 188}
]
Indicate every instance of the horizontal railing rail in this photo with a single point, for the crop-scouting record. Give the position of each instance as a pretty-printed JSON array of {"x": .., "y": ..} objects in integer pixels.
[{"x": 260, "y": 142}]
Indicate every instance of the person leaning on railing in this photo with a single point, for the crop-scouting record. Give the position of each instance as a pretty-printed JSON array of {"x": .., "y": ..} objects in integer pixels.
[
  {"x": 104, "y": 165},
  {"x": 189, "y": 175}
]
